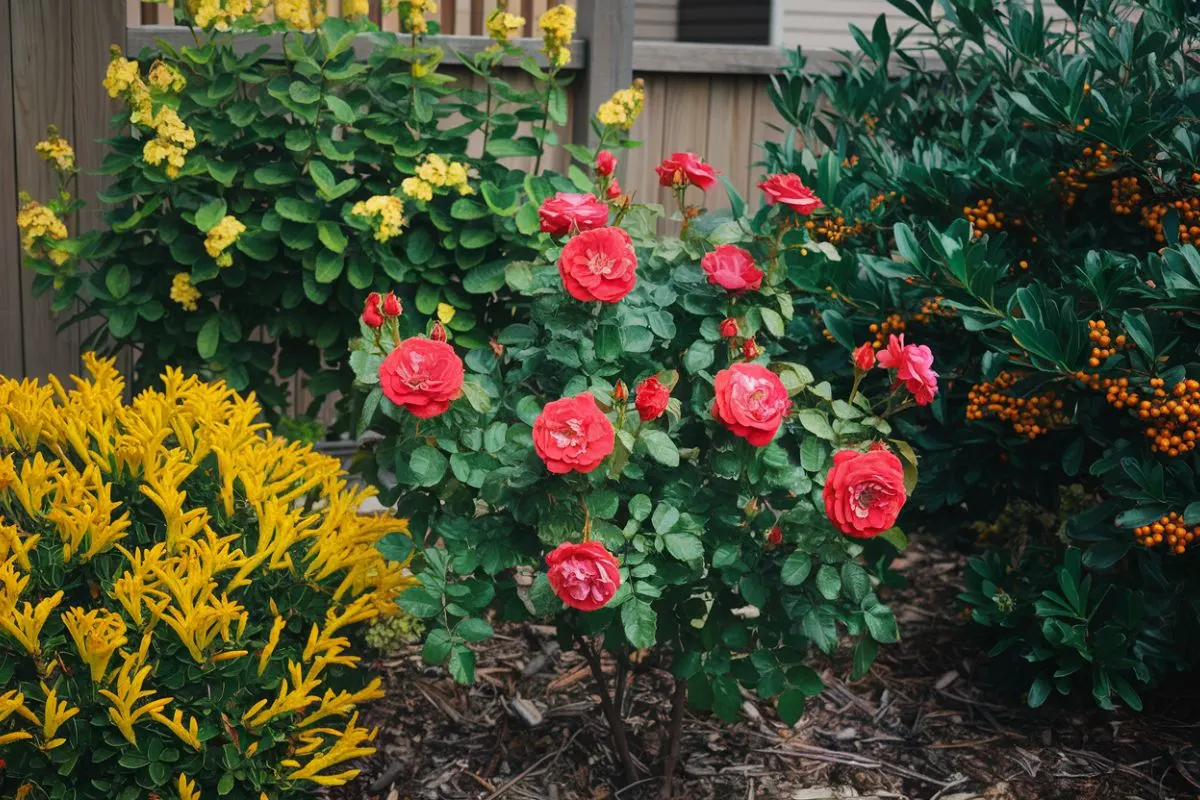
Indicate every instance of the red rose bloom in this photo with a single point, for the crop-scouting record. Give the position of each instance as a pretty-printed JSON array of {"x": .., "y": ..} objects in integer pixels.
[
  {"x": 864, "y": 357},
  {"x": 599, "y": 265},
  {"x": 864, "y": 492},
  {"x": 572, "y": 434},
  {"x": 751, "y": 402},
  {"x": 732, "y": 268},
  {"x": 391, "y": 305},
  {"x": 791, "y": 191},
  {"x": 651, "y": 398},
  {"x": 914, "y": 367},
  {"x": 370, "y": 315},
  {"x": 614, "y": 190},
  {"x": 606, "y": 163},
  {"x": 422, "y": 375},
  {"x": 568, "y": 212},
  {"x": 584, "y": 576},
  {"x": 686, "y": 169},
  {"x": 729, "y": 327}
]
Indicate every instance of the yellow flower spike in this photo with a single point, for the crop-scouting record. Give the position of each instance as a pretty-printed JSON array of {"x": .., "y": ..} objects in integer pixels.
[
  {"x": 131, "y": 678},
  {"x": 121, "y": 74},
  {"x": 221, "y": 236},
  {"x": 55, "y": 714},
  {"x": 350, "y": 744},
  {"x": 558, "y": 26},
  {"x": 183, "y": 293},
  {"x": 251, "y": 750},
  {"x": 97, "y": 635},
  {"x": 342, "y": 703},
  {"x": 15, "y": 736},
  {"x": 229, "y": 655},
  {"x": 57, "y": 151},
  {"x": 25, "y": 625},
  {"x": 272, "y": 640},
  {"x": 187, "y": 788},
  {"x": 188, "y": 734},
  {"x": 16, "y": 544}
]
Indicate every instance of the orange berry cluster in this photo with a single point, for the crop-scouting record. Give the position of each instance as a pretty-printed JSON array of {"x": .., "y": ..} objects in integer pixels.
[
  {"x": 1031, "y": 416},
  {"x": 982, "y": 218},
  {"x": 932, "y": 308},
  {"x": 882, "y": 330},
  {"x": 1174, "y": 417},
  {"x": 1169, "y": 528},
  {"x": 850, "y": 162},
  {"x": 870, "y": 120},
  {"x": 833, "y": 229},
  {"x": 1093, "y": 161},
  {"x": 882, "y": 198},
  {"x": 1126, "y": 195},
  {"x": 1104, "y": 344},
  {"x": 1189, "y": 219}
]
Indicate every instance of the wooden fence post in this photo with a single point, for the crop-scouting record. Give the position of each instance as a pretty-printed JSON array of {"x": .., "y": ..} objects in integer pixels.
[{"x": 607, "y": 26}]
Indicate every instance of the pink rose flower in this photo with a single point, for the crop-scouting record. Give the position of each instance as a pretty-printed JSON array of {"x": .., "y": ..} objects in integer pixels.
[
  {"x": 791, "y": 191},
  {"x": 864, "y": 492},
  {"x": 572, "y": 434},
  {"x": 732, "y": 268},
  {"x": 751, "y": 402},
  {"x": 864, "y": 357},
  {"x": 686, "y": 169},
  {"x": 651, "y": 398},
  {"x": 599, "y": 265},
  {"x": 584, "y": 576},
  {"x": 914, "y": 368},
  {"x": 422, "y": 375},
  {"x": 606, "y": 163},
  {"x": 568, "y": 212}
]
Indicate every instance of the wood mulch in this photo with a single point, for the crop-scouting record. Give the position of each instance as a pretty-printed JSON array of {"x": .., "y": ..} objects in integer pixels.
[{"x": 928, "y": 723}]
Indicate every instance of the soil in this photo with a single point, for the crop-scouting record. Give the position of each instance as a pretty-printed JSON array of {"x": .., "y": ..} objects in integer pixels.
[{"x": 929, "y": 722}]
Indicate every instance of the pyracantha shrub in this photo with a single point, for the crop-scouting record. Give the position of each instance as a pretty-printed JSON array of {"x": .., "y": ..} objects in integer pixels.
[
  {"x": 1018, "y": 185},
  {"x": 181, "y": 596},
  {"x": 686, "y": 516}
]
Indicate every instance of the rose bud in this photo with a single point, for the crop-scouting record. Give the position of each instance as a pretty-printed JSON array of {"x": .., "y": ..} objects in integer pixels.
[
  {"x": 391, "y": 305},
  {"x": 438, "y": 332},
  {"x": 750, "y": 349},
  {"x": 606, "y": 163},
  {"x": 370, "y": 315},
  {"x": 620, "y": 392},
  {"x": 651, "y": 399},
  {"x": 729, "y": 328},
  {"x": 614, "y": 190},
  {"x": 864, "y": 357},
  {"x": 775, "y": 536}
]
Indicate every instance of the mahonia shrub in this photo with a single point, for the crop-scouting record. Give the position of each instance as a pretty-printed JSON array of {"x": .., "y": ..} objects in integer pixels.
[
  {"x": 1017, "y": 185},
  {"x": 633, "y": 460},
  {"x": 258, "y": 196},
  {"x": 181, "y": 596}
]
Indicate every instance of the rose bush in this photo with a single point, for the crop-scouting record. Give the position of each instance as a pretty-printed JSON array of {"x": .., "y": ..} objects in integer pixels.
[{"x": 687, "y": 519}]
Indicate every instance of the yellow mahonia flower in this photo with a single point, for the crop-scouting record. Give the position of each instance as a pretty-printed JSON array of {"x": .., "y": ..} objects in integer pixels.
[
  {"x": 417, "y": 189},
  {"x": 165, "y": 77},
  {"x": 272, "y": 642},
  {"x": 304, "y": 15},
  {"x": 189, "y": 734},
  {"x": 84, "y": 514},
  {"x": 121, "y": 74},
  {"x": 433, "y": 169},
  {"x": 24, "y": 624},
  {"x": 14, "y": 543},
  {"x": 173, "y": 141},
  {"x": 558, "y": 26},
  {"x": 355, "y": 8},
  {"x": 624, "y": 107},
  {"x": 457, "y": 175},
  {"x": 221, "y": 236},
  {"x": 386, "y": 212},
  {"x": 183, "y": 292},
  {"x": 40, "y": 227},
  {"x": 412, "y": 14},
  {"x": 97, "y": 635},
  {"x": 502, "y": 26},
  {"x": 445, "y": 313},
  {"x": 130, "y": 690},
  {"x": 220, "y": 14},
  {"x": 57, "y": 151}
]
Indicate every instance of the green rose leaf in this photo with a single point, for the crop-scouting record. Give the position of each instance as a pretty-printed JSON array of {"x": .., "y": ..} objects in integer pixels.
[
  {"x": 640, "y": 623},
  {"x": 660, "y": 447},
  {"x": 796, "y": 568},
  {"x": 684, "y": 546}
]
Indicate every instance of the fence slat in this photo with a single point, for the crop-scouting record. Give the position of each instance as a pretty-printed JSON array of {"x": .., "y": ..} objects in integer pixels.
[
  {"x": 730, "y": 144},
  {"x": 42, "y": 60},
  {"x": 12, "y": 356},
  {"x": 606, "y": 26}
]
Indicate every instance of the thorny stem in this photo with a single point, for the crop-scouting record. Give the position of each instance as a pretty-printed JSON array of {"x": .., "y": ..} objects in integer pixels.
[
  {"x": 615, "y": 724},
  {"x": 487, "y": 117},
  {"x": 675, "y": 737},
  {"x": 550, "y": 84}
]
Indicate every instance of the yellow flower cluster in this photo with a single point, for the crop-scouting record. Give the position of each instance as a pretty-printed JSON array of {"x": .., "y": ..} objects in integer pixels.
[
  {"x": 172, "y": 143},
  {"x": 166, "y": 78},
  {"x": 304, "y": 15},
  {"x": 412, "y": 14},
  {"x": 121, "y": 75},
  {"x": 197, "y": 516},
  {"x": 39, "y": 223},
  {"x": 183, "y": 292},
  {"x": 503, "y": 26},
  {"x": 558, "y": 26},
  {"x": 385, "y": 211},
  {"x": 624, "y": 107},
  {"x": 220, "y": 14},
  {"x": 355, "y": 8},
  {"x": 57, "y": 151},
  {"x": 436, "y": 172},
  {"x": 220, "y": 237}
]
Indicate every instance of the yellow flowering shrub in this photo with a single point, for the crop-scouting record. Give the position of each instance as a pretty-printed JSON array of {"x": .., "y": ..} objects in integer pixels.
[
  {"x": 558, "y": 26},
  {"x": 622, "y": 109},
  {"x": 181, "y": 596}
]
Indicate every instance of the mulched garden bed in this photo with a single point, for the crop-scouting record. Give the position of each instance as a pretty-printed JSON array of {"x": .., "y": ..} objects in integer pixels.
[{"x": 927, "y": 723}]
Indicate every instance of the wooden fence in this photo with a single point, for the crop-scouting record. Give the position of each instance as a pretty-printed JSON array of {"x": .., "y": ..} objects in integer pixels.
[{"x": 710, "y": 99}]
